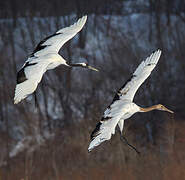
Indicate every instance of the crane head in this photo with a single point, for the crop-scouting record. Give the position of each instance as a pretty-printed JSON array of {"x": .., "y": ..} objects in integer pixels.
[
  {"x": 163, "y": 108},
  {"x": 86, "y": 65}
]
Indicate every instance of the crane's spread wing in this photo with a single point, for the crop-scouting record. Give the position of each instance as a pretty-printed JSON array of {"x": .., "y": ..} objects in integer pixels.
[
  {"x": 117, "y": 111},
  {"x": 106, "y": 127},
  {"x": 32, "y": 71},
  {"x": 54, "y": 42},
  {"x": 28, "y": 77},
  {"x": 128, "y": 90}
]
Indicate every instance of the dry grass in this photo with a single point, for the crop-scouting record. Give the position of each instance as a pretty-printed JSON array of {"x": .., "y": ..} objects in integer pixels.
[{"x": 66, "y": 158}]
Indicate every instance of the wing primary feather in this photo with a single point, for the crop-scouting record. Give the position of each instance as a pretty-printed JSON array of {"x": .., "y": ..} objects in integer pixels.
[
  {"x": 54, "y": 42},
  {"x": 96, "y": 130},
  {"x": 40, "y": 46},
  {"x": 119, "y": 93},
  {"x": 21, "y": 77},
  {"x": 29, "y": 64},
  {"x": 141, "y": 73}
]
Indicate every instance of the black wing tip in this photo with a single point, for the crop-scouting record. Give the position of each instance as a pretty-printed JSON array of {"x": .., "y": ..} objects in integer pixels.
[
  {"x": 96, "y": 130},
  {"x": 89, "y": 150},
  {"x": 156, "y": 51},
  {"x": 40, "y": 46},
  {"x": 116, "y": 97},
  {"x": 21, "y": 77},
  {"x": 128, "y": 80},
  {"x": 29, "y": 64},
  {"x": 118, "y": 93}
]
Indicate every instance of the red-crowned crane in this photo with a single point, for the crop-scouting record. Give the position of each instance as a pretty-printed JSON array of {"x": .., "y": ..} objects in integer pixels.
[
  {"x": 123, "y": 107},
  {"x": 46, "y": 57}
]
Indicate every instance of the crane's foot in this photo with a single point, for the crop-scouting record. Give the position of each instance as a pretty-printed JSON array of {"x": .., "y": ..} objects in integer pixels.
[{"x": 125, "y": 141}]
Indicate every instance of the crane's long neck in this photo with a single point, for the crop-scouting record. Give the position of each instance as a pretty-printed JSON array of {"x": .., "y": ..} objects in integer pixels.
[
  {"x": 76, "y": 64},
  {"x": 148, "y": 108},
  {"x": 83, "y": 65}
]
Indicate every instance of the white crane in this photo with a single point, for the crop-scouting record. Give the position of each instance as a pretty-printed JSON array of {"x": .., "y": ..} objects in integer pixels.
[
  {"x": 122, "y": 106},
  {"x": 46, "y": 57}
]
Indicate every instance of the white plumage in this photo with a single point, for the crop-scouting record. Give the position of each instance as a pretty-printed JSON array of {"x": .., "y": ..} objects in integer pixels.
[
  {"x": 45, "y": 57},
  {"x": 122, "y": 106},
  {"x": 140, "y": 75}
]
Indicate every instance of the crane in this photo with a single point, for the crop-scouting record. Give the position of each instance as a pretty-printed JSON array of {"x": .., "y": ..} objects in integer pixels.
[
  {"x": 46, "y": 57},
  {"x": 123, "y": 107}
]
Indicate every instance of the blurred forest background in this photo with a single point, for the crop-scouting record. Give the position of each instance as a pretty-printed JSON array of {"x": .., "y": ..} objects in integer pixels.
[{"x": 50, "y": 142}]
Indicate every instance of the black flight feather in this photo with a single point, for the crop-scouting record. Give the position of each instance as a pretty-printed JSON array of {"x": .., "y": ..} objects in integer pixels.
[{"x": 40, "y": 46}]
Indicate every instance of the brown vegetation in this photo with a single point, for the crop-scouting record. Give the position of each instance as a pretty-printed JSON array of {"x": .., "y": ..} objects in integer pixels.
[{"x": 66, "y": 157}]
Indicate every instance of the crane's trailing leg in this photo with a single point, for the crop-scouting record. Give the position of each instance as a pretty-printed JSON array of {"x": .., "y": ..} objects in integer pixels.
[
  {"x": 125, "y": 141},
  {"x": 36, "y": 102}
]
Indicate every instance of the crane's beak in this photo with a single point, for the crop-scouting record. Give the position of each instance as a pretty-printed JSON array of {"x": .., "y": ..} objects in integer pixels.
[
  {"x": 90, "y": 67},
  {"x": 166, "y": 109}
]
